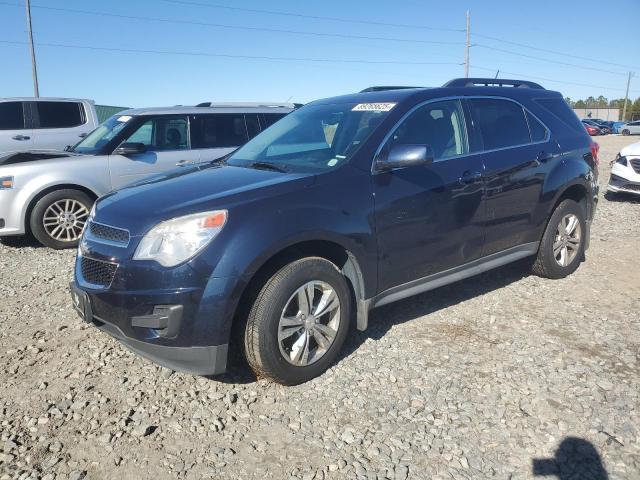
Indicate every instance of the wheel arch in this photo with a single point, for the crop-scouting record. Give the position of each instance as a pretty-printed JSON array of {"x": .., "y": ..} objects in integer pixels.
[
  {"x": 50, "y": 189},
  {"x": 341, "y": 257}
]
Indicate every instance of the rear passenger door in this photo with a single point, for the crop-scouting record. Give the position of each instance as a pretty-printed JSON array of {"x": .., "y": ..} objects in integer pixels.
[
  {"x": 15, "y": 132},
  {"x": 214, "y": 135},
  {"x": 57, "y": 124},
  {"x": 517, "y": 153}
]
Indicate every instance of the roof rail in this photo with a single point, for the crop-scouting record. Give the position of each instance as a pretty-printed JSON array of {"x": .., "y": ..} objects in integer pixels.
[
  {"x": 491, "y": 82},
  {"x": 382, "y": 89},
  {"x": 249, "y": 104}
]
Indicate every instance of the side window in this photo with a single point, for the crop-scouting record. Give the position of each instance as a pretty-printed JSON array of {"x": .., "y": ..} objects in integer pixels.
[
  {"x": 162, "y": 133},
  {"x": 538, "y": 131},
  {"x": 253, "y": 125},
  {"x": 11, "y": 116},
  {"x": 268, "y": 119},
  {"x": 561, "y": 110},
  {"x": 439, "y": 125},
  {"x": 501, "y": 123},
  {"x": 60, "y": 114},
  {"x": 218, "y": 130}
]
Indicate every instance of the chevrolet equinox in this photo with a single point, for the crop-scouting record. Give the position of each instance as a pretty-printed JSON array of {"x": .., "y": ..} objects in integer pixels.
[{"x": 344, "y": 205}]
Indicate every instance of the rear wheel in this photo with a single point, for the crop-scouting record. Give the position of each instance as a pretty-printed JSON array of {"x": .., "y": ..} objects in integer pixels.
[
  {"x": 626, "y": 131},
  {"x": 562, "y": 247},
  {"x": 298, "y": 322},
  {"x": 57, "y": 219}
]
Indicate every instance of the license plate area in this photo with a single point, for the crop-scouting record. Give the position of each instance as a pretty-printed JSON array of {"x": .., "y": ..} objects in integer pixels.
[{"x": 81, "y": 303}]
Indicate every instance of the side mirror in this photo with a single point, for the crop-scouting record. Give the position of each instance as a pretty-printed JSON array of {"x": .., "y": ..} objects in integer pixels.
[
  {"x": 130, "y": 149},
  {"x": 401, "y": 156}
]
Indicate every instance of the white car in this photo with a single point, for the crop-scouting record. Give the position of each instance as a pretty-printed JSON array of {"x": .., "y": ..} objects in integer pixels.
[
  {"x": 625, "y": 171},
  {"x": 31, "y": 123},
  {"x": 631, "y": 128}
]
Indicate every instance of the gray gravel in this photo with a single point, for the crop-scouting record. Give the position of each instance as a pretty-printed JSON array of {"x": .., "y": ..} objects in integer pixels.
[{"x": 474, "y": 380}]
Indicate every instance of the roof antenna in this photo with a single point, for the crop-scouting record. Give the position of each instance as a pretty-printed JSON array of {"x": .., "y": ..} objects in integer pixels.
[{"x": 497, "y": 74}]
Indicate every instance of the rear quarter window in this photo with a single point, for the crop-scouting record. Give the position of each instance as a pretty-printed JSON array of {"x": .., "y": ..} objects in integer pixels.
[{"x": 562, "y": 111}]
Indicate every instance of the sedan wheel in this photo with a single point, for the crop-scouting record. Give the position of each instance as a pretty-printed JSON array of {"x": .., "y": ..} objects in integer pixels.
[{"x": 64, "y": 220}]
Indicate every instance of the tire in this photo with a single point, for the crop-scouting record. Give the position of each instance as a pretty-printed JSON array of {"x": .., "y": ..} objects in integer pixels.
[
  {"x": 551, "y": 265},
  {"x": 625, "y": 132},
  {"x": 265, "y": 353},
  {"x": 60, "y": 233}
]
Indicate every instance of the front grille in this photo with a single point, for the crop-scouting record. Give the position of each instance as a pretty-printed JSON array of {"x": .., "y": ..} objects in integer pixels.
[
  {"x": 97, "y": 272},
  {"x": 635, "y": 163},
  {"x": 110, "y": 234},
  {"x": 631, "y": 186}
]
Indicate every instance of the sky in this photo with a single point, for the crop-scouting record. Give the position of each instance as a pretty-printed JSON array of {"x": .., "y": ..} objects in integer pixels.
[{"x": 139, "y": 53}]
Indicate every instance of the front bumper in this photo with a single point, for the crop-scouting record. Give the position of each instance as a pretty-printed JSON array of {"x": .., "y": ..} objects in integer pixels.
[
  {"x": 11, "y": 213},
  {"x": 197, "y": 360},
  {"x": 624, "y": 179}
]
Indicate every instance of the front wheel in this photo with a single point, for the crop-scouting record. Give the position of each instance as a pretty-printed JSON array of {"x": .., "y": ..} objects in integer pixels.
[
  {"x": 298, "y": 322},
  {"x": 626, "y": 132},
  {"x": 57, "y": 219},
  {"x": 562, "y": 247}
]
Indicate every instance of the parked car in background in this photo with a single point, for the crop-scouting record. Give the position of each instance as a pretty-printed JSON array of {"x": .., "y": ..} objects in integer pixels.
[
  {"x": 615, "y": 128},
  {"x": 51, "y": 193},
  {"x": 591, "y": 129},
  {"x": 630, "y": 128},
  {"x": 347, "y": 204},
  {"x": 44, "y": 123},
  {"x": 604, "y": 130},
  {"x": 625, "y": 171}
]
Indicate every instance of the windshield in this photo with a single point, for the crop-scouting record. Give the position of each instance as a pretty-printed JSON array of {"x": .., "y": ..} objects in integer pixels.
[
  {"x": 314, "y": 138},
  {"x": 94, "y": 142}
]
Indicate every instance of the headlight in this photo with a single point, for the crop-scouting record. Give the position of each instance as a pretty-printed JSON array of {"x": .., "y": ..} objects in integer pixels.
[
  {"x": 6, "y": 183},
  {"x": 175, "y": 241},
  {"x": 621, "y": 160}
]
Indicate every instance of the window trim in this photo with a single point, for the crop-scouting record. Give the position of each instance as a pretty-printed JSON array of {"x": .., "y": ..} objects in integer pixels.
[
  {"x": 468, "y": 118},
  {"x": 35, "y": 115}
]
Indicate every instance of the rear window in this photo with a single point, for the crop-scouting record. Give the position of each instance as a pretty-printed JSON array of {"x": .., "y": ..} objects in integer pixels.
[
  {"x": 502, "y": 123},
  {"x": 218, "y": 130},
  {"x": 561, "y": 110},
  {"x": 538, "y": 131},
  {"x": 60, "y": 114},
  {"x": 11, "y": 116}
]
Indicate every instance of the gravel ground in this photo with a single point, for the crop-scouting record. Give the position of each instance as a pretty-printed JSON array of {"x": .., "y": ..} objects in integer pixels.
[{"x": 479, "y": 379}]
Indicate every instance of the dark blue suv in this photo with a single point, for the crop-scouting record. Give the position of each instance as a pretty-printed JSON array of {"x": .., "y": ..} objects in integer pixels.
[{"x": 344, "y": 205}]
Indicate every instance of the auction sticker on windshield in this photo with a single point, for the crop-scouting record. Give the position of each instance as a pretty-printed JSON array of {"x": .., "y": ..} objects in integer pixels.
[{"x": 373, "y": 107}]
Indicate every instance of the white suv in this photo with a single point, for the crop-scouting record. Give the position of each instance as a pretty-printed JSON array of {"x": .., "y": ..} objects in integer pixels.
[
  {"x": 44, "y": 123},
  {"x": 625, "y": 171},
  {"x": 50, "y": 193}
]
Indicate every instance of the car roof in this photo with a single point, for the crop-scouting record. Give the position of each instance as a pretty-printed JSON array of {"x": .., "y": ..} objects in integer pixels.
[
  {"x": 412, "y": 95},
  {"x": 44, "y": 99},
  {"x": 190, "y": 110}
]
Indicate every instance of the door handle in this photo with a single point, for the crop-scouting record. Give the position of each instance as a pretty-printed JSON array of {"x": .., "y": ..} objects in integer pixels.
[
  {"x": 83, "y": 135},
  {"x": 184, "y": 163},
  {"x": 470, "y": 177},
  {"x": 20, "y": 137}
]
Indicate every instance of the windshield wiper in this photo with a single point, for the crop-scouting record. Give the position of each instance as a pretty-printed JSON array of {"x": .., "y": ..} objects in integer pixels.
[
  {"x": 267, "y": 166},
  {"x": 222, "y": 160}
]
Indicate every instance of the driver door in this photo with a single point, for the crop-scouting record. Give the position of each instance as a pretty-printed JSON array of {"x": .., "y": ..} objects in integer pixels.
[
  {"x": 167, "y": 146},
  {"x": 429, "y": 217}
]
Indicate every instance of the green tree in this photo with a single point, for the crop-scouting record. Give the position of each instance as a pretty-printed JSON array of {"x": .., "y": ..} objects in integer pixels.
[
  {"x": 580, "y": 104},
  {"x": 633, "y": 110},
  {"x": 569, "y": 101}
]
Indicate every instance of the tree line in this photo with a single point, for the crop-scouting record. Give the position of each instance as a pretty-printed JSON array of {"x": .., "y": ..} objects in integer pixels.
[{"x": 633, "y": 107}]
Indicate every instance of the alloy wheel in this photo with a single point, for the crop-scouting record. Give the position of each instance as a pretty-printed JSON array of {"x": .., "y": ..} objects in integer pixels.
[
  {"x": 567, "y": 240},
  {"x": 309, "y": 323},
  {"x": 64, "y": 220}
]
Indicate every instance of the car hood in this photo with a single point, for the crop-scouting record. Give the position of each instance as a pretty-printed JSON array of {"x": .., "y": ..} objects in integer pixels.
[
  {"x": 12, "y": 158},
  {"x": 632, "y": 150},
  {"x": 141, "y": 206}
]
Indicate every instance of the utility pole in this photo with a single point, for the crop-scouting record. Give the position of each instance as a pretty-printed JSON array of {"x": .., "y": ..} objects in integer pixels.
[
  {"x": 626, "y": 97},
  {"x": 33, "y": 52},
  {"x": 466, "y": 55}
]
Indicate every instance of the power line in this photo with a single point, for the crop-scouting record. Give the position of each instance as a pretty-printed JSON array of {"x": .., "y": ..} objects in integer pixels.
[
  {"x": 226, "y": 55},
  {"x": 313, "y": 17},
  {"x": 511, "y": 52},
  {"x": 547, "y": 79},
  {"x": 237, "y": 27},
  {"x": 555, "y": 52}
]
